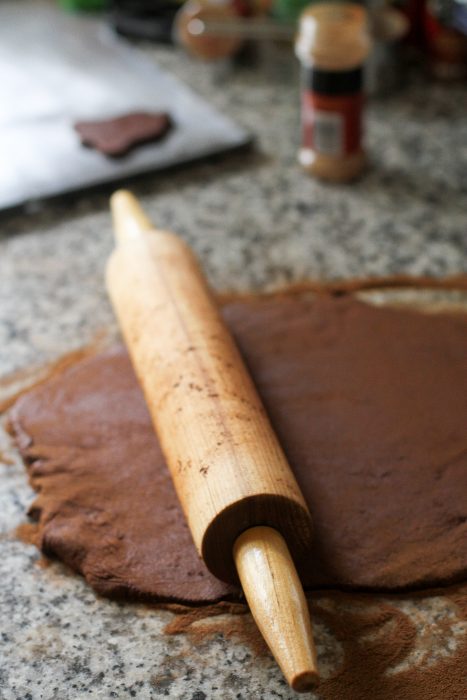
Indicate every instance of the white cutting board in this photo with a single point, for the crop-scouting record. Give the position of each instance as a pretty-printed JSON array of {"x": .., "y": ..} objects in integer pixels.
[{"x": 56, "y": 69}]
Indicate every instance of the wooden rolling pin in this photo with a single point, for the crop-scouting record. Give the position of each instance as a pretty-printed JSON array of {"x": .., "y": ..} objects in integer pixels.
[{"x": 242, "y": 503}]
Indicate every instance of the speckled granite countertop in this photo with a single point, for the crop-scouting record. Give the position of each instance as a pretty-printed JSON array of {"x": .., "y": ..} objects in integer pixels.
[{"x": 255, "y": 221}]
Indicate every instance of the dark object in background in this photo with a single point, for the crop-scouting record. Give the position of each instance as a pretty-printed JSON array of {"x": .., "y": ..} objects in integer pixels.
[
  {"x": 446, "y": 41},
  {"x": 151, "y": 20},
  {"x": 116, "y": 137},
  {"x": 459, "y": 16},
  {"x": 83, "y": 5},
  {"x": 438, "y": 28}
]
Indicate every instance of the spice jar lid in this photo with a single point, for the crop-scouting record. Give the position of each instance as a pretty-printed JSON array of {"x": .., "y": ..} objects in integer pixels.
[{"x": 333, "y": 35}]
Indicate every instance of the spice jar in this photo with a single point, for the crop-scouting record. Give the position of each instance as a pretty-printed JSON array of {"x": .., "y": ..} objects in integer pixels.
[{"x": 332, "y": 45}]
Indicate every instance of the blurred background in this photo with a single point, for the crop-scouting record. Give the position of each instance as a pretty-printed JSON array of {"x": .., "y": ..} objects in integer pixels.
[
  {"x": 285, "y": 141},
  {"x": 70, "y": 64}
]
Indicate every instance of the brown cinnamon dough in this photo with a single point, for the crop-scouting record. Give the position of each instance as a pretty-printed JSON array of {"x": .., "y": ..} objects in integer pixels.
[
  {"x": 115, "y": 137},
  {"x": 369, "y": 403}
]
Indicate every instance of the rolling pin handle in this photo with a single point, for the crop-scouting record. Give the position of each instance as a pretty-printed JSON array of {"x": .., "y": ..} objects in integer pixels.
[
  {"x": 277, "y": 602},
  {"x": 129, "y": 220}
]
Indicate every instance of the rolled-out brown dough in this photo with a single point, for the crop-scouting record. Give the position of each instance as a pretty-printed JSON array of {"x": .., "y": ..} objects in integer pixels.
[{"x": 370, "y": 405}]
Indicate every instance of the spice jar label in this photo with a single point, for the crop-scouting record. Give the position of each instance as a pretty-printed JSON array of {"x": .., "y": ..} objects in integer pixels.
[{"x": 332, "y": 105}]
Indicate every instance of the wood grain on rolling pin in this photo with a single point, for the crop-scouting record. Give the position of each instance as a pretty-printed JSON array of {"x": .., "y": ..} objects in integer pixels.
[{"x": 228, "y": 468}]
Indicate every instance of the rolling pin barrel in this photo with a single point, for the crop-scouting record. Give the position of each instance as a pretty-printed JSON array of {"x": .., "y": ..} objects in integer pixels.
[{"x": 228, "y": 468}]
